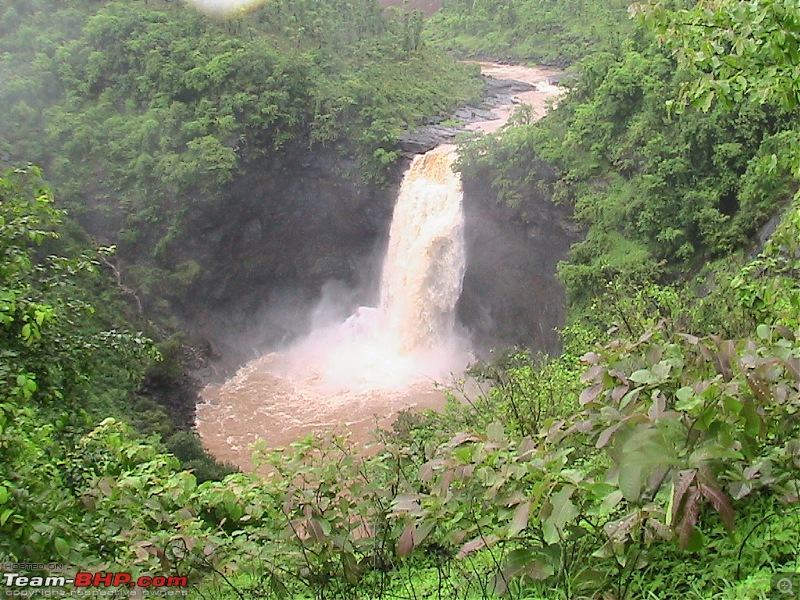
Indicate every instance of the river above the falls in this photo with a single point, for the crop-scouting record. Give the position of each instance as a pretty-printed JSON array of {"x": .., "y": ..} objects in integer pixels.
[
  {"x": 356, "y": 375},
  {"x": 544, "y": 92}
]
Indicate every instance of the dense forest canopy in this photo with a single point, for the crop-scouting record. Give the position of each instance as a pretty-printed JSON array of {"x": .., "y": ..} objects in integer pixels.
[
  {"x": 540, "y": 31},
  {"x": 658, "y": 456},
  {"x": 142, "y": 111},
  {"x": 663, "y": 178}
]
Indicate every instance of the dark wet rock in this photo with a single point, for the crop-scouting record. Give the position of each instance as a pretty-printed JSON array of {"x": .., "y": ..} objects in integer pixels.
[
  {"x": 511, "y": 293},
  {"x": 288, "y": 226},
  {"x": 471, "y": 115},
  {"x": 422, "y": 140},
  {"x": 252, "y": 233}
]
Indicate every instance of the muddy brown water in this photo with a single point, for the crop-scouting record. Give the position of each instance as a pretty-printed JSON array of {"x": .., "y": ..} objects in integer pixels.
[{"x": 353, "y": 377}]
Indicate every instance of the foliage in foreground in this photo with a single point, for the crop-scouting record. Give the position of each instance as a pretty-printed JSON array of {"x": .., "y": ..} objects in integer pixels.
[
  {"x": 666, "y": 444},
  {"x": 677, "y": 435},
  {"x": 650, "y": 450},
  {"x": 67, "y": 359}
]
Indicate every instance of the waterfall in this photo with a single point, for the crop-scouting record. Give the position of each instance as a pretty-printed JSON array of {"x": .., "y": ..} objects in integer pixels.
[
  {"x": 410, "y": 336},
  {"x": 380, "y": 360},
  {"x": 383, "y": 358},
  {"x": 423, "y": 270}
]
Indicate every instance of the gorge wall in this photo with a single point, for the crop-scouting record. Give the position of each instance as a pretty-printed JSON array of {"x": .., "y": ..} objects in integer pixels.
[
  {"x": 295, "y": 230},
  {"x": 511, "y": 294},
  {"x": 288, "y": 227}
]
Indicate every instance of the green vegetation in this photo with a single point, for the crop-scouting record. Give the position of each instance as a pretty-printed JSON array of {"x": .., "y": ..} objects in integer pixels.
[
  {"x": 67, "y": 361},
  {"x": 661, "y": 190},
  {"x": 142, "y": 111},
  {"x": 538, "y": 31},
  {"x": 657, "y": 451},
  {"x": 54, "y": 342},
  {"x": 657, "y": 457}
]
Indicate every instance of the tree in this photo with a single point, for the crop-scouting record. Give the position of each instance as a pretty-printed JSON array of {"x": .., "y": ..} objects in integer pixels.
[
  {"x": 51, "y": 342},
  {"x": 747, "y": 49},
  {"x": 26, "y": 220}
]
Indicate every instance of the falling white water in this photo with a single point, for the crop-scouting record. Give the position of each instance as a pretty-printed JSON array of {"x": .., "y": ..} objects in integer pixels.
[
  {"x": 411, "y": 335},
  {"x": 381, "y": 359},
  {"x": 424, "y": 267}
]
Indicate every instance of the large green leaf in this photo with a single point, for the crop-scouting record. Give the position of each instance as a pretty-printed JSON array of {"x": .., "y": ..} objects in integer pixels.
[
  {"x": 62, "y": 547},
  {"x": 562, "y": 511},
  {"x": 644, "y": 452}
]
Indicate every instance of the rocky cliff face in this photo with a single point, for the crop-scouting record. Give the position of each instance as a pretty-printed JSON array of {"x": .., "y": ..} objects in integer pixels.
[
  {"x": 295, "y": 230},
  {"x": 511, "y": 294},
  {"x": 289, "y": 227},
  {"x": 304, "y": 226}
]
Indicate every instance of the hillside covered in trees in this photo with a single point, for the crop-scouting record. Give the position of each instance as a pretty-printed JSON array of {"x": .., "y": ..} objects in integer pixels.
[
  {"x": 540, "y": 31},
  {"x": 144, "y": 114},
  {"x": 656, "y": 457}
]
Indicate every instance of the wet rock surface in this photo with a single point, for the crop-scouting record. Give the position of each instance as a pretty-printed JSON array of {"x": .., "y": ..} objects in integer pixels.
[
  {"x": 498, "y": 92},
  {"x": 511, "y": 295}
]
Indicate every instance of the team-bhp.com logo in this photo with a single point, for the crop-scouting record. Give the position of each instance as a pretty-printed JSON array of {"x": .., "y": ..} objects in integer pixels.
[{"x": 18, "y": 584}]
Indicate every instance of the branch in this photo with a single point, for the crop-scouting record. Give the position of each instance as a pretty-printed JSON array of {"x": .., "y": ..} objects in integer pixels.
[{"x": 120, "y": 284}]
